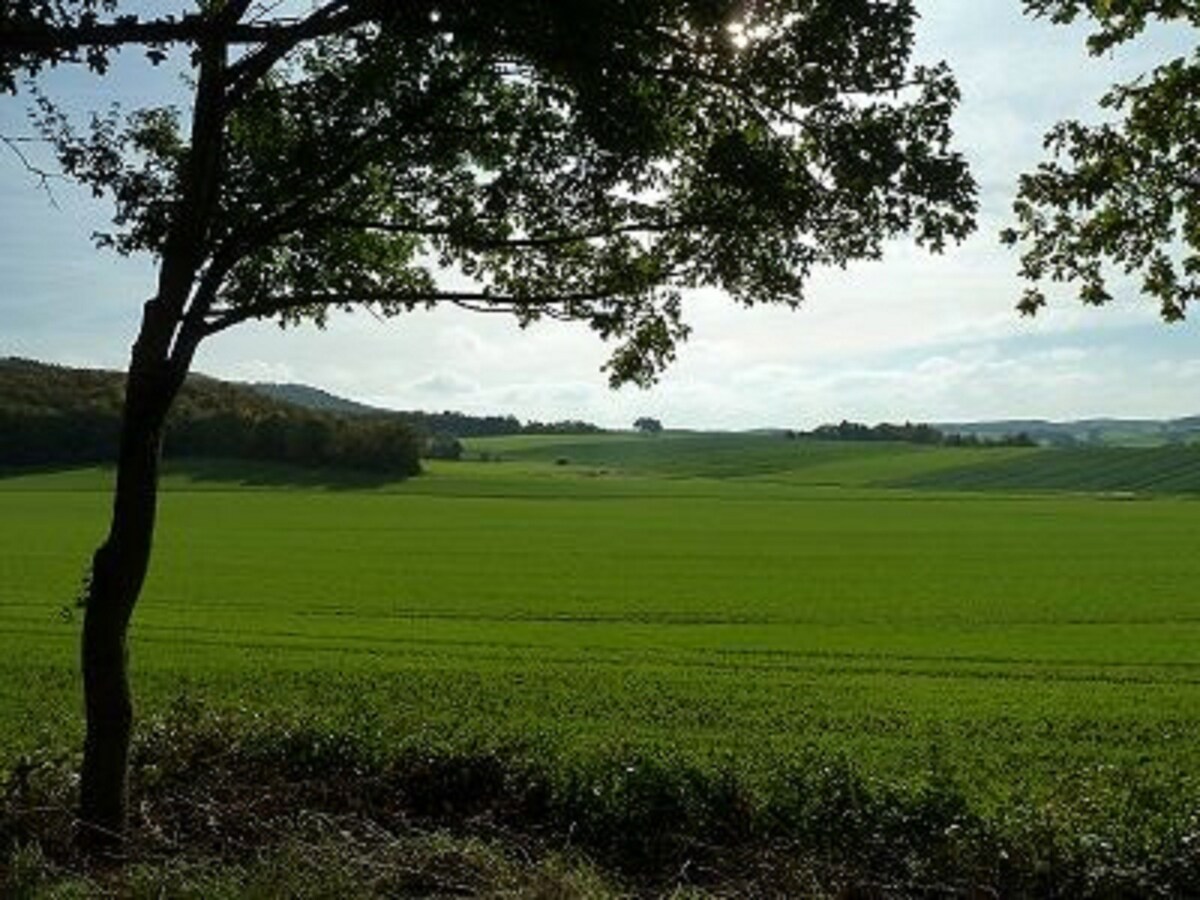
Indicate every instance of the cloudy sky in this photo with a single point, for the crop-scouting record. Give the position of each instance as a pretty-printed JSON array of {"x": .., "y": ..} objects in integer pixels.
[{"x": 913, "y": 337}]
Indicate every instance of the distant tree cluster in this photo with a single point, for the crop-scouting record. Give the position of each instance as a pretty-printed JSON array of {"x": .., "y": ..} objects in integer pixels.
[
  {"x": 54, "y": 414},
  {"x": 459, "y": 424},
  {"x": 443, "y": 446},
  {"x": 299, "y": 437},
  {"x": 1020, "y": 439},
  {"x": 910, "y": 433},
  {"x": 462, "y": 425},
  {"x": 33, "y": 437},
  {"x": 564, "y": 426},
  {"x": 648, "y": 425},
  {"x": 885, "y": 431}
]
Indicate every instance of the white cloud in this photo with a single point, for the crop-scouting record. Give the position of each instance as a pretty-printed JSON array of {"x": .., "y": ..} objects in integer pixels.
[
  {"x": 443, "y": 384},
  {"x": 262, "y": 370}
]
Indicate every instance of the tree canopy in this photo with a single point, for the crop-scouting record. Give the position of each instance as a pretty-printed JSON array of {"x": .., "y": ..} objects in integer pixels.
[
  {"x": 587, "y": 161},
  {"x": 1121, "y": 197},
  {"x": 579, "y": 161}
]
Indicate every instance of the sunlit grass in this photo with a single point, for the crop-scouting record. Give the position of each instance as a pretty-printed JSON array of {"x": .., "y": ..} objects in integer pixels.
[{"x": 1027, "y": 641}]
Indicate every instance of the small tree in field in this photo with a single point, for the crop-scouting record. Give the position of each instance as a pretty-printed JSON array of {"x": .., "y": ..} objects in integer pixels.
[
  {"x": 647, "y": 425},
  {"x": 443, "y": 446},
  {"x": 585, "y": 161}
]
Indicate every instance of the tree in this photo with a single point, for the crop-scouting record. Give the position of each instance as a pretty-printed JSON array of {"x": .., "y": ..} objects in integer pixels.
[
  {"x": 584, "y": 161},
  {"x": 1122, "y": 196},
  {"x": 443, "y": 446},
  {"x": 647, "y": 425}
]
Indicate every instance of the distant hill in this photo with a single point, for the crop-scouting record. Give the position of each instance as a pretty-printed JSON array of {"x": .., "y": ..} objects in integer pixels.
[
  {"x": 56, "y": 414},
  {"x": 1101, "y": 431},
  {"x": 315, "y": 398},
  {"x": 449, "y": 422},
  {"x": 53, "y": 414},
  {"x": 30, "y": 386}
]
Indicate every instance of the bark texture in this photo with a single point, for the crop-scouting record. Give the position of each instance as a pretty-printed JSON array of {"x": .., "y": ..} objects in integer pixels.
[{"x": 119, "y": 569}]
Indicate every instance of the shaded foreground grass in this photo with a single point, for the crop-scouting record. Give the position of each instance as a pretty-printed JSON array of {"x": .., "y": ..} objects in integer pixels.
[{"x": 235, "y": 806}]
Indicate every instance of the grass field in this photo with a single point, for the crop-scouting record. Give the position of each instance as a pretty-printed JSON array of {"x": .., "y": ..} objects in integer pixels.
[{"x": 726, "y": 601}]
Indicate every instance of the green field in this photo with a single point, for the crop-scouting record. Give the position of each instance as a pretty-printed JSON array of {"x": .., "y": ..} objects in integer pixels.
[{"x": 719, "y": 599}]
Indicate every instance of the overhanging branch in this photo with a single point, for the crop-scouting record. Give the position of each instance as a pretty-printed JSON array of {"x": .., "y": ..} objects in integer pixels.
[
  {"x": 517, "y": 243},
  {"x": 188, "y": 29},
  {"x": 277, "y": 37},
  {"x": 478, "y": 301}
]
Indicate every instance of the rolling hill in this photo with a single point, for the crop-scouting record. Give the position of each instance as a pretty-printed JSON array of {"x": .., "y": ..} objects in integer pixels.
[
  {"x": 51, "y": 415},
  {"x": 1101, "y": 431}
]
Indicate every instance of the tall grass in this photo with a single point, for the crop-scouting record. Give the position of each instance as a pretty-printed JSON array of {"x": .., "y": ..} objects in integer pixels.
[{"x": 235, "y": 807}]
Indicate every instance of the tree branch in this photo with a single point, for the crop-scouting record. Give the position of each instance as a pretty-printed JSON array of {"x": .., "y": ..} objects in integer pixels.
[
  {"x": 247, "y": 71},
  {"x": 530, "y": 242},
  {"x": 189, "y": 29},
  {"x": 192, "y": 217},
  {"x": 476, "y": 301},
  {"x": 44, "y": 176}
]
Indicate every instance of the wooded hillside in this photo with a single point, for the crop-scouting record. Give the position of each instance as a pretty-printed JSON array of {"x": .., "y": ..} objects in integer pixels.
[{"x": 55, "y": 414}]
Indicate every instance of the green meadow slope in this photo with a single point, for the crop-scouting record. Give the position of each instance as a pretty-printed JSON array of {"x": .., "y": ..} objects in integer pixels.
[
  {"x": 1173, "y": 469},
  {"x": 1159, "y": 470},
  {"x": 745, "y": 456}
]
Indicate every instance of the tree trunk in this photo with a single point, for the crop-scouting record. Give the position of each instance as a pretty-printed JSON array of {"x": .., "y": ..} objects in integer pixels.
[
  {"x": 161, "y": 357},
  {"x": 118, "y": 570}
]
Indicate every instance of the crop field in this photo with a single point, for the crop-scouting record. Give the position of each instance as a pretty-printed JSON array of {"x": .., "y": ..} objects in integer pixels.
[
  {"x": 1161, "y": 470},
  {"x": 730, "y": 601}
]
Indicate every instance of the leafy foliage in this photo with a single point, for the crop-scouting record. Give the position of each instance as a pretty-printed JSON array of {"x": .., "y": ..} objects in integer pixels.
[
  {"x": 1116, "y": 21},
  {"x": 1122, "y": 196},
  {"x": 36, "y": 21},
  {"x": 584, "y": 162}
]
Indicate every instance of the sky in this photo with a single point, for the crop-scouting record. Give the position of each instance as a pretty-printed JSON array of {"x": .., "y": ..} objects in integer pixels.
[{"x": 913, "y": 337}]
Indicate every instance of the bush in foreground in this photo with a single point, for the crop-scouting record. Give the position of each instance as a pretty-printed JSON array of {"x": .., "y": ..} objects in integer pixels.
[{"x": 231, "y": 808}]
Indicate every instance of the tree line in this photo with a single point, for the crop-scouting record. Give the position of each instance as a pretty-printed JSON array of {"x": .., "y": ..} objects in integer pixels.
[
  {"x": 911, "y": 433},
  {"x": 463, "y": 425}
]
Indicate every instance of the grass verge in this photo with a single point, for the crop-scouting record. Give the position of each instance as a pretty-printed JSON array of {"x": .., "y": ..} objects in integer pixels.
[{"x": 227, "y": 809}]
